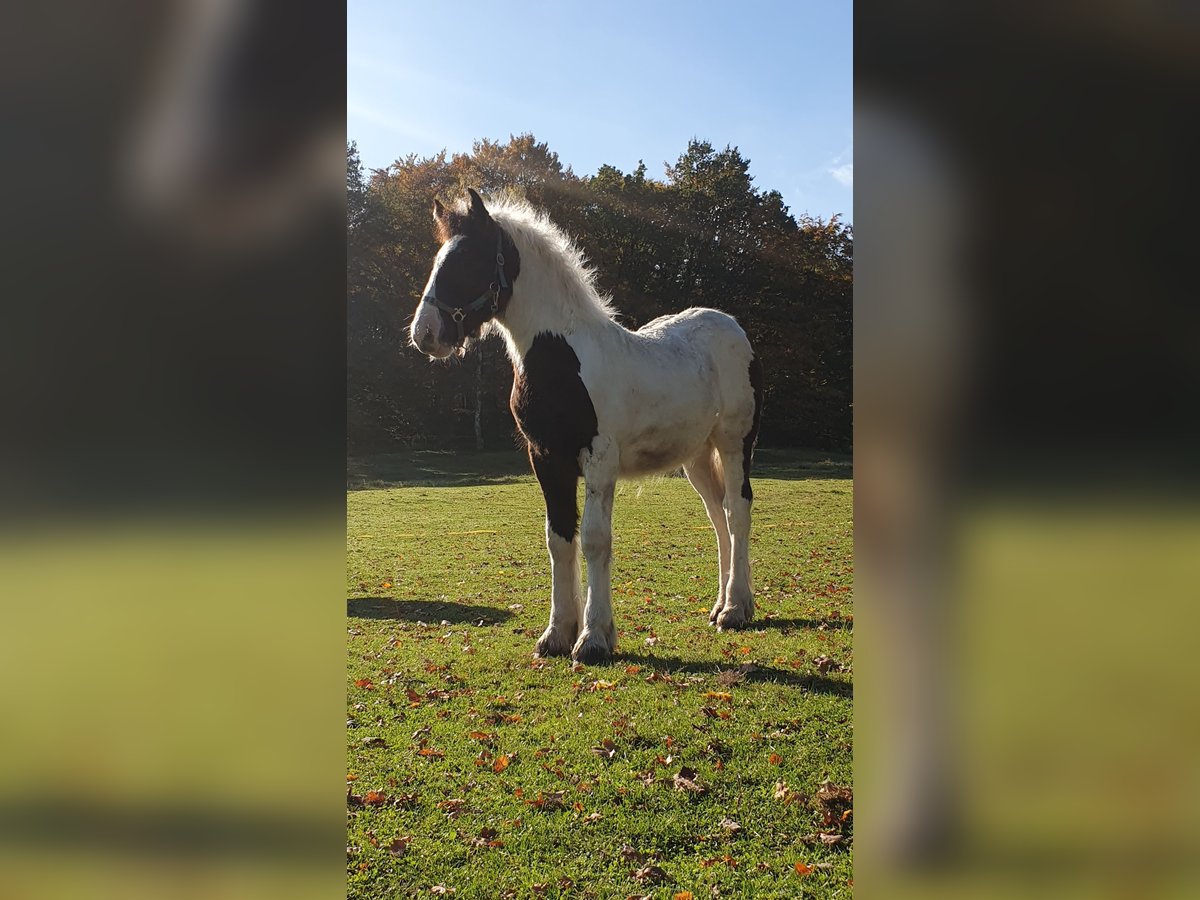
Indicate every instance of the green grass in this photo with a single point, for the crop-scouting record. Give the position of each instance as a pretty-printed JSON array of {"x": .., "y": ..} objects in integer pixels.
[{"x": 448, "y": 589}]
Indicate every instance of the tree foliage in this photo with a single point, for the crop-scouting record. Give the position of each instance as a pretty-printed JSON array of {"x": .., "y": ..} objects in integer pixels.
[{"x": 702, "y": 236}]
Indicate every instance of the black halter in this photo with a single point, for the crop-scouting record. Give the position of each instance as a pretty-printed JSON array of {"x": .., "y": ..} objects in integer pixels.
[{"x": 489, "y": 297}]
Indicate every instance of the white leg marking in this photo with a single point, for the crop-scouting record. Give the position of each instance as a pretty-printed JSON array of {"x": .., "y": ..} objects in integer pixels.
[
  {"x": 739, "y": 596},
  {"x": 598, "y": 639},
  {"x": 566, "y": 596},
  {"x": 701, "y": 472}
]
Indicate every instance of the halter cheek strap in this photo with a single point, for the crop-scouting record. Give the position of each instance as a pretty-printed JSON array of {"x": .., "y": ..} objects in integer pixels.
[{"x": 489, "y": 297}]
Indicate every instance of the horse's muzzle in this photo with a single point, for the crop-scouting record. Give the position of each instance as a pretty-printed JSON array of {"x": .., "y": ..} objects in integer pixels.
[{"x": 431, "y": 347}]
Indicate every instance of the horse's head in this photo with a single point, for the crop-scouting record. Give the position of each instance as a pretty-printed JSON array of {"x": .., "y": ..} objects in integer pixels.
[{"x": 471, "y": 281}]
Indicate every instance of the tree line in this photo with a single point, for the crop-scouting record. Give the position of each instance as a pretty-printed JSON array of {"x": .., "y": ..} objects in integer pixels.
[{"x": 703, "y": 235}]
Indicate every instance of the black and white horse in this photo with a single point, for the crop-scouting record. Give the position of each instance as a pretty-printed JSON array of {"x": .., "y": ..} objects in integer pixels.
[{"x": 596, "y": 400}]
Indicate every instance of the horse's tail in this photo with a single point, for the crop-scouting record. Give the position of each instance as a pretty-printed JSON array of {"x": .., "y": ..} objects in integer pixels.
[{"x": 756, "y": 387}]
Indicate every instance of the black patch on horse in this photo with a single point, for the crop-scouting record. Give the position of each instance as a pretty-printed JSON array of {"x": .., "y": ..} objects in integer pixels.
[
  {"x": 470, "y": 267},
  {"x": 555, "y": 415},
  {"x": 756, "y": 382}
]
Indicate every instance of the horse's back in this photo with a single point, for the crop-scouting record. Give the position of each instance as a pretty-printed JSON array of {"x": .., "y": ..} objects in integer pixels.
[
  {"x": 681, "y": 383},
  {"x": 718, "y": 338}
]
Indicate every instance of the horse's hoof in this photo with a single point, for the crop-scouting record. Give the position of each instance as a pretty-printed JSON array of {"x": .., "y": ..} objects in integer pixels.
[
  {"x": 553, "y": 643},
  {"x": 715, "y": 612},
  {"x": 732, "y": 617},
  {"x": 590, "y": 649}
]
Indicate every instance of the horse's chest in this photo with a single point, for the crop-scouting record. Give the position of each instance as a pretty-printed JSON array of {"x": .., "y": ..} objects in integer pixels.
[{"x": 549, "y": 400}]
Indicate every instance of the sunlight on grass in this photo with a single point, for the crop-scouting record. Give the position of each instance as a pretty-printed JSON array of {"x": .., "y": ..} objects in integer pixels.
[{"x": 694, "y": 760}]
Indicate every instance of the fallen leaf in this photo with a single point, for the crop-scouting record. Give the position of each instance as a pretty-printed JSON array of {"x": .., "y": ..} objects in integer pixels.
[
  {"x": 687, "y": 781},
  {"x": 593, "y": 817},
  {"x": 825, "y": 664},
  {"x": 500, "y": 764},
  {"x": 372, "y": 742},
  {"x": 441, "y": 889},
  {"x": 786, "y": 794},
  {"x": 607, "y": 749},
  {"x": 453, "y": 808},
  {"x": 399, "y": 846},
  {"x": 431, "y": 753},
  {"x": 730, "y": 825},
  {"x": 775, "y": 759},
  {"x": 632, "y": 670},
  {"x": 365, "y": 683},
  {"x": 548, "y": 802},
  {"x": 684, "y": 895},
  {"x": 375, "y": 798},
  {"x": 729, "y": 678},
  {"x": 803, "y": 869},
  {"x": 650, "y": 875}
]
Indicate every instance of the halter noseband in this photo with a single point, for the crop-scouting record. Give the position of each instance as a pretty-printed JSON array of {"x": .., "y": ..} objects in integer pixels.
[{"x": 490, "y": 296}]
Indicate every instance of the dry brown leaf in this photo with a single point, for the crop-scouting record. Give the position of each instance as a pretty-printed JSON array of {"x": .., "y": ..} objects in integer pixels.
[
  {"x": 687, "y": 781},
  {"x": 650, "y": 875},
  {"x": 500, "y": 764},
  {"x": 548, "y": 802},
  {"x": 399, "y": 846},
  {"x": 607, "y": 749}
]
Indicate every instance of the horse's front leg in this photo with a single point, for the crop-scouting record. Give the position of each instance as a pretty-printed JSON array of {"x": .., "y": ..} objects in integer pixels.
[
  {"x": 559, "y": 480},
  {"x": 598, "y": 639}
]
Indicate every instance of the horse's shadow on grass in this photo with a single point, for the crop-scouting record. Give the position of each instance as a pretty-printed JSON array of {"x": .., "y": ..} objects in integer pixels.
[
  {"x": 673, "y": 665},
  {"x": 815, "y": 624},
  {"x": 424, "y": 611}
]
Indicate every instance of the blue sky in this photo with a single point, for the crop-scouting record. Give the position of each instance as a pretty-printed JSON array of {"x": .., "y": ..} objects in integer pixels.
[{"x": 613, "y": 82}]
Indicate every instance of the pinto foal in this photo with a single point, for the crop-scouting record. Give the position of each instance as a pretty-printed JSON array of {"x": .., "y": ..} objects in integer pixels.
[{"x": 596, "y": 400}]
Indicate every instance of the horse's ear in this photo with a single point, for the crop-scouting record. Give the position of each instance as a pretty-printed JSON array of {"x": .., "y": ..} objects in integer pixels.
[
  {"x": 439, "y": 211},
  {"x": 478, "y": 210}
]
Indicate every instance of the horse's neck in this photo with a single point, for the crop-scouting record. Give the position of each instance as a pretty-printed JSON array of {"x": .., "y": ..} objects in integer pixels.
[{"x": 554, "y": 305}]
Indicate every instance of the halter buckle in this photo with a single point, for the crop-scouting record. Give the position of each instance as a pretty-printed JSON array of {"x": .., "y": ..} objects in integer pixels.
[{"x": 458, "y": 315}]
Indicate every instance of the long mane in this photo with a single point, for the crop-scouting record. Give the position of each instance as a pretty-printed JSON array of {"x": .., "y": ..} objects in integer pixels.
[{"x": 547, "y": 249}]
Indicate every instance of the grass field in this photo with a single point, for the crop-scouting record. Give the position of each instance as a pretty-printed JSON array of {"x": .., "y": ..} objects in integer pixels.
[{"x": 696, "y": 763}]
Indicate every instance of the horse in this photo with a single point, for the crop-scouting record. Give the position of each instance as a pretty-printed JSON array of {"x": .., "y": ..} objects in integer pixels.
[{"x": 595, "y": 400}]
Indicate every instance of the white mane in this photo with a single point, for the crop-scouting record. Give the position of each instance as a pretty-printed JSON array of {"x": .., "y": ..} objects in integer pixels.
[{"x": 549, "y": 256}]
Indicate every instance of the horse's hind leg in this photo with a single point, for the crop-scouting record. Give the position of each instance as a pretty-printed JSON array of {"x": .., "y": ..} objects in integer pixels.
[
  {"x": 704, "y": 472},
  {"x": 739, "y": 596}
]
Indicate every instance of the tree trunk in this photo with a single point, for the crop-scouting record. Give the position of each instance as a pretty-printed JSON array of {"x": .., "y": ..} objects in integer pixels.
[{"x": 479, "y": 398}]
